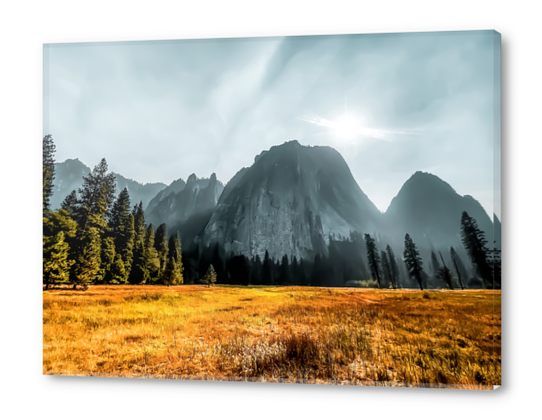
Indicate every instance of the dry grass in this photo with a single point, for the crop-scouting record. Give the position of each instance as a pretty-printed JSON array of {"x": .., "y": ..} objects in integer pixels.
[{"x": 285, "y": 334}]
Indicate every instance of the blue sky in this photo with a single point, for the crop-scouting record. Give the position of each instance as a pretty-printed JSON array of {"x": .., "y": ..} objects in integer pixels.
[{"x": 391, "y": 104}]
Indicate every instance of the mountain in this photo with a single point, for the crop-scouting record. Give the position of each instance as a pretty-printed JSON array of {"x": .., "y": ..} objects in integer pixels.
[
  {"x": 290, "y": 201},
  {"x": 429, "y": 209},
  {"x": 69, "y": 176},
  {"x": 185, "y": 207},
  {"x": 175, "y": 187}
]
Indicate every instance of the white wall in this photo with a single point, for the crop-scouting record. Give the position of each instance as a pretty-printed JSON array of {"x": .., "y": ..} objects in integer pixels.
[{"x": 24, "y": 26}]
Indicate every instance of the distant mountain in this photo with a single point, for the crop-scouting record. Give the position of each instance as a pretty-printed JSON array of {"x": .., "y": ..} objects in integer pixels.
[
  {"x": 290, "y": 201},
  {"x": 429, "y": 210},
  {"x": 69, "y": 176},
  {"x": 185, "y": 207},
  {"x": 175, "y": 187}
]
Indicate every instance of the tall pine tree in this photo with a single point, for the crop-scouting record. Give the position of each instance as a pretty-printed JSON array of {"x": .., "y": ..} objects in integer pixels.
[
  {"x": 475, "y": 242},
  {"x": 413, "y": 261},
  {"x": 153, "y": 259},
  {"x": 121, "y": 222},
  {"x": 139, "y": 272},
  {"x": 394, "y": 269},
  {"x": 373, "y": 258},
  {"x": 161, "y": 245},
  {"x": 49, "y": 149},
  {"x": 459, "y": 267}
]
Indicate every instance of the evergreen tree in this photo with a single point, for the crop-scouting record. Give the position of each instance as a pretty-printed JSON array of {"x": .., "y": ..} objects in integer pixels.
[
  {"x": 161, "y": 245},
  {"x": 394, "y": 269},
  {"x": 210, "y": 276},
  {"x": 87, "y": 256},
  {"x": 118, "y": 271},
  {"x": 386, "y": 269},
  {"x": 121, "y": 222},
  {"x": 294, "y": 270},
  {"x": 285, "y": 277},
  {"x": 445, "y": 274},
  {"x": 267, "y": 275},
  {"x": 475, "y": 242},
  {"x": 459, "y": 267},
  {"x": 373, "y": 258},
  {"x": 171, "y": 275},
  {"x": 302, "y": 277},
  {"x": 107, "y": 258},
  {"x": 70, "y": 204},
  {"x": 256, "y": 273},
  {"x": 139, "y": 272},
  {"x": 178, "y": 257},
  {"x": 413, "y": 261},
  {"x": 49, "y": 149},
  {"x": 57, "y": 252},
  {"x": 173, "y": 272},
  {"x": 435, "y": 263},
  {"x": 317, "y": 276},
  {"x": 59, "y": 221},
  {"x": 153, "y": 259},
  {"x": 56, "y": 265},
  {"x": 96, "y": 195}
]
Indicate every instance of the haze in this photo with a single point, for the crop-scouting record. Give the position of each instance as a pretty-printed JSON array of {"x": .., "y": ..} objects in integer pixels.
[{"x": 391, "y": 104}]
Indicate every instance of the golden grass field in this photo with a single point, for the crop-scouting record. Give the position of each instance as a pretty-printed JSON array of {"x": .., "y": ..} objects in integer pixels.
[{"x": 276, "y": 334}]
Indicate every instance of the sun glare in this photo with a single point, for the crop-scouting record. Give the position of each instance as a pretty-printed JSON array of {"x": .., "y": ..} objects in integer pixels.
[{"x": 346, "y": 127}]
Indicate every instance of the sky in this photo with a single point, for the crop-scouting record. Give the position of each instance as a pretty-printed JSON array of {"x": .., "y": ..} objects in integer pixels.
[{"x": 391, "y": 104}]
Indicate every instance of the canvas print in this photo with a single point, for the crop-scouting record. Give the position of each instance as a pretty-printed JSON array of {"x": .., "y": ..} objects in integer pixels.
[{"x": 308, "y": 209}]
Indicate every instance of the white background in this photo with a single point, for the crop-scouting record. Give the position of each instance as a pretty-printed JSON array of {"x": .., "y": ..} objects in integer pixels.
[{"x": 25, "y": 26}]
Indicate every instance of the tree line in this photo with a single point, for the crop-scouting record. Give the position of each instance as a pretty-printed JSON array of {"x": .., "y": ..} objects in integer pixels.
[{"x": 97, "y": 237}]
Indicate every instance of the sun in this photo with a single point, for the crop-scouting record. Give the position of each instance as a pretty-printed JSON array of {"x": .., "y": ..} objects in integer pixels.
[{"x": 347, "y": 127}]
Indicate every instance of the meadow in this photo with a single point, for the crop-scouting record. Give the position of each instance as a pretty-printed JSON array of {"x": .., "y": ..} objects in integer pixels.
[{"x": 276, "y": 334}]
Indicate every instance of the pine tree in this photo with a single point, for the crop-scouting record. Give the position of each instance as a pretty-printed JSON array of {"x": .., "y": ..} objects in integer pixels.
[
  {"x": 210, "y": 276},
  {"x": 294, "y": 269},
  {"x": 267, "y": 275},
  {"x": 161, "y": 245},
  {"x": 302, "y": 276},
  {"x": 96, "y": 194},
  {"x": 459, "y": 267},
  {"x": 374, "y": 259},
  {"x": 435, "y": 263},
  {"x": 49, "y": 149},
  {"x": 121, "y": 222},
  {"x": 139, "y": 272},
  {"x": 57, "y": 252},
  {"x": 256, "y": 273},
  {"x": 87, "y": 257},
  {"x": 394, "y": 269},
  {"x": 475, "y": 242},
  {"x": 118, "y": 271},
  {"x": 107, "y": 259},
  {"x": 153, "y": 259},
  {"x": 413, "y": 261},
  {"x": 173, "y": 272},
  {"x": 56, "y": 264},
  {"x": 171, "y": 275},
  {"x": 386, "y": 269},
  {"x": 70, "y": 204},
  {"x": 96, "y": 197},
  {"x": 284, "y": 270},
  {"x": 178, "y": 256},
  {"x": 445, "y": 274}
]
